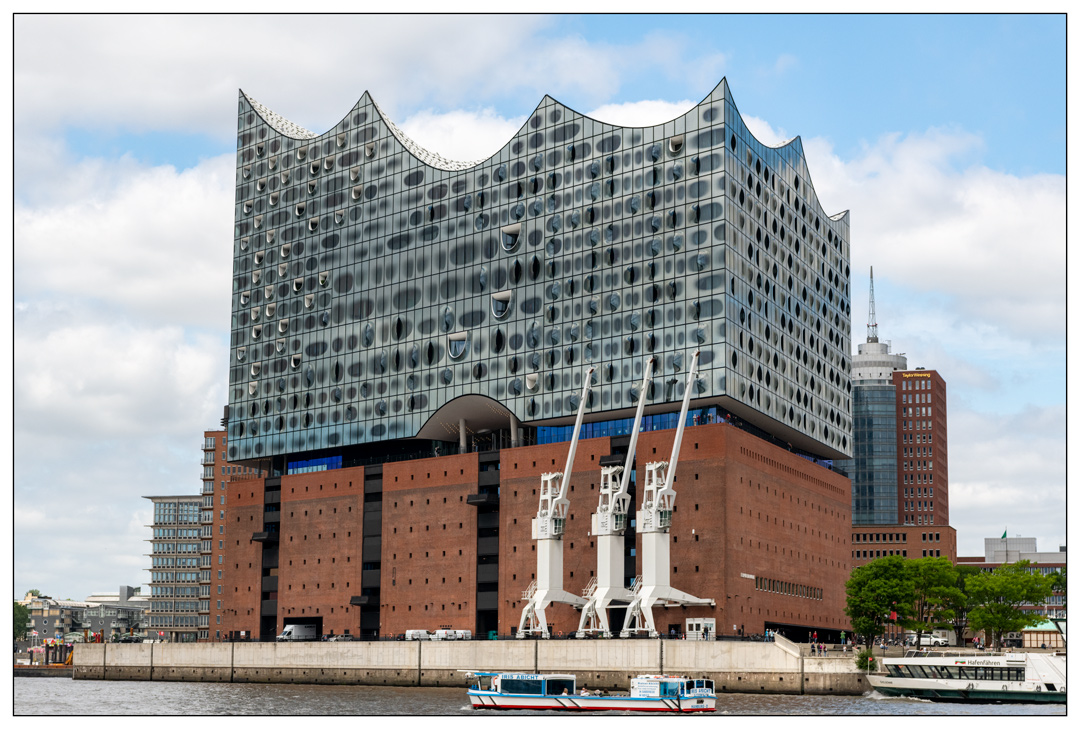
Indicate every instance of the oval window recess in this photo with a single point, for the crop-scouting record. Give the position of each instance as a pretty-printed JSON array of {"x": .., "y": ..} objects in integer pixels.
[
  {"x": 260, "y": 185},
  {"x": 284, "y": 177},
  {"x": 274, "y": 198},
  {"x": 339, "y": 217},
  {"x": 324, "y": 278},
  {"x": 301, "y": 153},
  {"x": 369, "y": 150},
  {"x": 286, "y": 249},
  {"x": 501, "y": 303},
  {"x": 270, "y": 235},
  {"x": 256, "y": 369},
  {"x": 328, "y": 164},
  {"x": 268, "y": 292},
  {"x": 280, "y": 346},
  {"x": 247, "y": 172},
  {"x": 255, "y": 313},
  {"x": 309, "y": 301},
  {"x": 241, "y": 353},
  {"x": 300, "y": 209},
  {"x": 675, "y": 144},
  {"x": 283, "y": 326},
  {"x": 245, "y": 297},
  {"x": 298, "y": 284},
  {"x": 258, "y": 221},
  {"x": 253, "y": 388},
  {"x": 256, "y": 276},
  {"x": 511, "y": 234},
  {"x": 357, "y": 192},
  {"x": 282, "y": 270},
  {"x": 312, "y": 187},
  {"x": 259, "y": 255},
  {"x": 244, "y": 243},
  {"x": 247, "y": 207},
  {"x": 515, "y": 272},
  {"x": 313, "y": 224},
  {"x": 457, "y": 344},
  {"x": 256, "y": 331},
  {"x": 532, "y": 381},
  {"x": 315, "y": 167}
]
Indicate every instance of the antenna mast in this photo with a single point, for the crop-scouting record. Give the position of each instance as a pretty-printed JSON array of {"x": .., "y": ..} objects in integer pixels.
[{"x": 871, "y": 326}]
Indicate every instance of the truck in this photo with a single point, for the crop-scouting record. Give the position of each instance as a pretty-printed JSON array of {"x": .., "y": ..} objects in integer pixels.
[{"x": 298, "y": 632}]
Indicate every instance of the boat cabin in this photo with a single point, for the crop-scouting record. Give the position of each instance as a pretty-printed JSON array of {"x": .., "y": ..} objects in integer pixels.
[
  {"x": 670, "y": 687},
  {"x": 529, "y": 684}
]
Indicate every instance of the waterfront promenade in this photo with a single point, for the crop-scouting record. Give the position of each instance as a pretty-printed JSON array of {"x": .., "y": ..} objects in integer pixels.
[{"x": 736, "y": 666}]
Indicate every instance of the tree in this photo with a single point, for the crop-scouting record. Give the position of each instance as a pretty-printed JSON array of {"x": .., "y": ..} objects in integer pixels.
[
  {"x": 21, "y": 613},
  {"x": 956, "y": 603},
  {"x": 997, "y": 598},
  {"x": 1057, "y": 583},
  {"x": 874, "y": 590},
  {"x": 933, "y": 581}
]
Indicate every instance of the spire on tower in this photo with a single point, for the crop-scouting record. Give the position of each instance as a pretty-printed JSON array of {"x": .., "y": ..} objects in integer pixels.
[{"x": 871, "y": 326}]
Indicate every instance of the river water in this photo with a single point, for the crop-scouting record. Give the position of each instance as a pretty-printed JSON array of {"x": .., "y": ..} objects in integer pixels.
[{"x": 62, "y": 696}]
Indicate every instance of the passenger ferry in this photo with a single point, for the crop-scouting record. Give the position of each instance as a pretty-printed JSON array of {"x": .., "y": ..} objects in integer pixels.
[
  {"x": 558, "y": 691},
  {"x": 974, "y": 677}
]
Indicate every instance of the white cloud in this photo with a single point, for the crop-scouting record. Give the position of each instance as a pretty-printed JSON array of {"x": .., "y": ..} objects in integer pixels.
[
  {"x": 641, "y": 113},
  {"x": 148, "y": 241},
  {"x": 995, "y": 242},
  {"x": 1011, "y": 474},
  {"x": 463, "y": 136}
]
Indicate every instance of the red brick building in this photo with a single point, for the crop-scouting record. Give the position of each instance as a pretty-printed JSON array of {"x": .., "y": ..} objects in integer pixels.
[{"x": 758, "y": 529}]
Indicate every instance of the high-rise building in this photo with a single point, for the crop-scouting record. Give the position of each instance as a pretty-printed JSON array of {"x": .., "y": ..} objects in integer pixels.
[
  {"x": 1009, "y": 550},
  {"x": 899, "y": 470},
  {"x": 411, "y": 337},
  {"x": 174, "y": 573}
]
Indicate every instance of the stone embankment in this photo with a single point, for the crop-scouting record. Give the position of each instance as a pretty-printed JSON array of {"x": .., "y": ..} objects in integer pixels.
[{"x": 736, "y": 667}]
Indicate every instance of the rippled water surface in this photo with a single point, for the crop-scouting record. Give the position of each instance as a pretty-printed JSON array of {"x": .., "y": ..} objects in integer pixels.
[{"x": 61, "y": 696}]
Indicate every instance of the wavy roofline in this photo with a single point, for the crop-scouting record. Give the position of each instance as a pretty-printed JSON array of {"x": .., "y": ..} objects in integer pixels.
[{"x": 437, "y": 161}]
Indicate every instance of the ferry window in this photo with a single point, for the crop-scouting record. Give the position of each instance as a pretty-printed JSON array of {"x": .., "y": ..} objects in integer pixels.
[
  {"x": 555, "y": 686},
  {"x": 522, "y": 686}
]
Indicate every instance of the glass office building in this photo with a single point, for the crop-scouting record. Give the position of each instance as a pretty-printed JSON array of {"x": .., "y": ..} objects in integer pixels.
[{"x": 381, "y": 292}]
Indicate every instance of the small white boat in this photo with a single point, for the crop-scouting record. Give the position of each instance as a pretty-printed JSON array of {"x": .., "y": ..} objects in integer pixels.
[
  {"x": 558, "y": 691},
  {"x": 974, "y": 677}
]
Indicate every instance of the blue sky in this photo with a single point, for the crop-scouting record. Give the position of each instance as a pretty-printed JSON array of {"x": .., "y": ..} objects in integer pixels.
[{"x": 944, "y": 135}]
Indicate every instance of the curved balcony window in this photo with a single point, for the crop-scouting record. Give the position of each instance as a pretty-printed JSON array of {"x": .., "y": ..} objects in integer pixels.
[
  {"x": 511, "y": 234},
  {"x": 501, "y": 303},
  {"x": 457, "y": 344}
]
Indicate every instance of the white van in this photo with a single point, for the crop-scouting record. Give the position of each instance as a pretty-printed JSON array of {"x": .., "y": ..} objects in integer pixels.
[
  {"x": 463, "y": 634},
  {"x": 417, "y": 635},
  {"x": 443, "y": 634}
]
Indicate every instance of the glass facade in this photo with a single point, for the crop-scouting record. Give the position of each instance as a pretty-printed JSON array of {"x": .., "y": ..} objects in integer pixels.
[
  {"x": 174, "y": 573},
  {"x": 873, "y": 468},
  {"x": 374, "y": 283}
]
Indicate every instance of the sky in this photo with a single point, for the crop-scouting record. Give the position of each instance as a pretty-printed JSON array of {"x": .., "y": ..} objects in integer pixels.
[{"x": 945, "y": 136}]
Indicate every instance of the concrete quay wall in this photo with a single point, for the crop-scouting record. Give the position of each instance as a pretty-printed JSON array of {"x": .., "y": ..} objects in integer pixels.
[{"x": 736, "y": 667}]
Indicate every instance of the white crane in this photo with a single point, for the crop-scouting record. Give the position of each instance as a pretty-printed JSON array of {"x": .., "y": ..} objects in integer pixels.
[
  {"x": 547, "y": 530},
  {"x": 609, "y": 528},
  {"x": 654, "y": 526}
]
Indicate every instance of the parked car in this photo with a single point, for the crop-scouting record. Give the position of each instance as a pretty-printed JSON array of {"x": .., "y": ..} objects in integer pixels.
[{"x": 345, "y": 638}]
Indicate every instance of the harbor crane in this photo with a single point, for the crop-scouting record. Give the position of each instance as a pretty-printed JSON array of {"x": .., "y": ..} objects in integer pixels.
[
  {"x": 547, "y": 530},
  {"x": 609, "y": 528},
  {"x": 654, "y": 526}
]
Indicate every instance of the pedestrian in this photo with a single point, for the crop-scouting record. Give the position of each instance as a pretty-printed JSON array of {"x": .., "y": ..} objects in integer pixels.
[
  {"x": 843, "y": 637},
  {"x": 813, "y": 647},
  {"x": 815, "y": 636}
]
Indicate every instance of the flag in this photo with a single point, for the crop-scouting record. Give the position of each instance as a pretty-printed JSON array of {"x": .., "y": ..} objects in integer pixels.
[{"x": 1005, "y": 534}]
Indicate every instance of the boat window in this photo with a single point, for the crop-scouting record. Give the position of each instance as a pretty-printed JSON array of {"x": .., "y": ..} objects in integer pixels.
[
  {"x": 484, "y": 683},
  {"x": 556, "y": 686},
  {"x": 522, "y": 686},
  {"x": 669, "y": 688},
  {"x": 894, "y": 671}
]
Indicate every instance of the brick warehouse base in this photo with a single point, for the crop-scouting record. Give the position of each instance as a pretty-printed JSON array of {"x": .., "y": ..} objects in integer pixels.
[{"x": 736, "y": 667}]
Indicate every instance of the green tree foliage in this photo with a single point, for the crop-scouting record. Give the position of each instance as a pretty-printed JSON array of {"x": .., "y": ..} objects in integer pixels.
[
  {"x": 956, "y": 603},
  {"x": 22, "y": 616},
  {"x": 1057, "y": 583},
  {"x": 865, "y": 660},
  {"x": 874, "y": 590},
  {"x": 933, "y": 584},
  {"x": 996, "y": 599}
]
